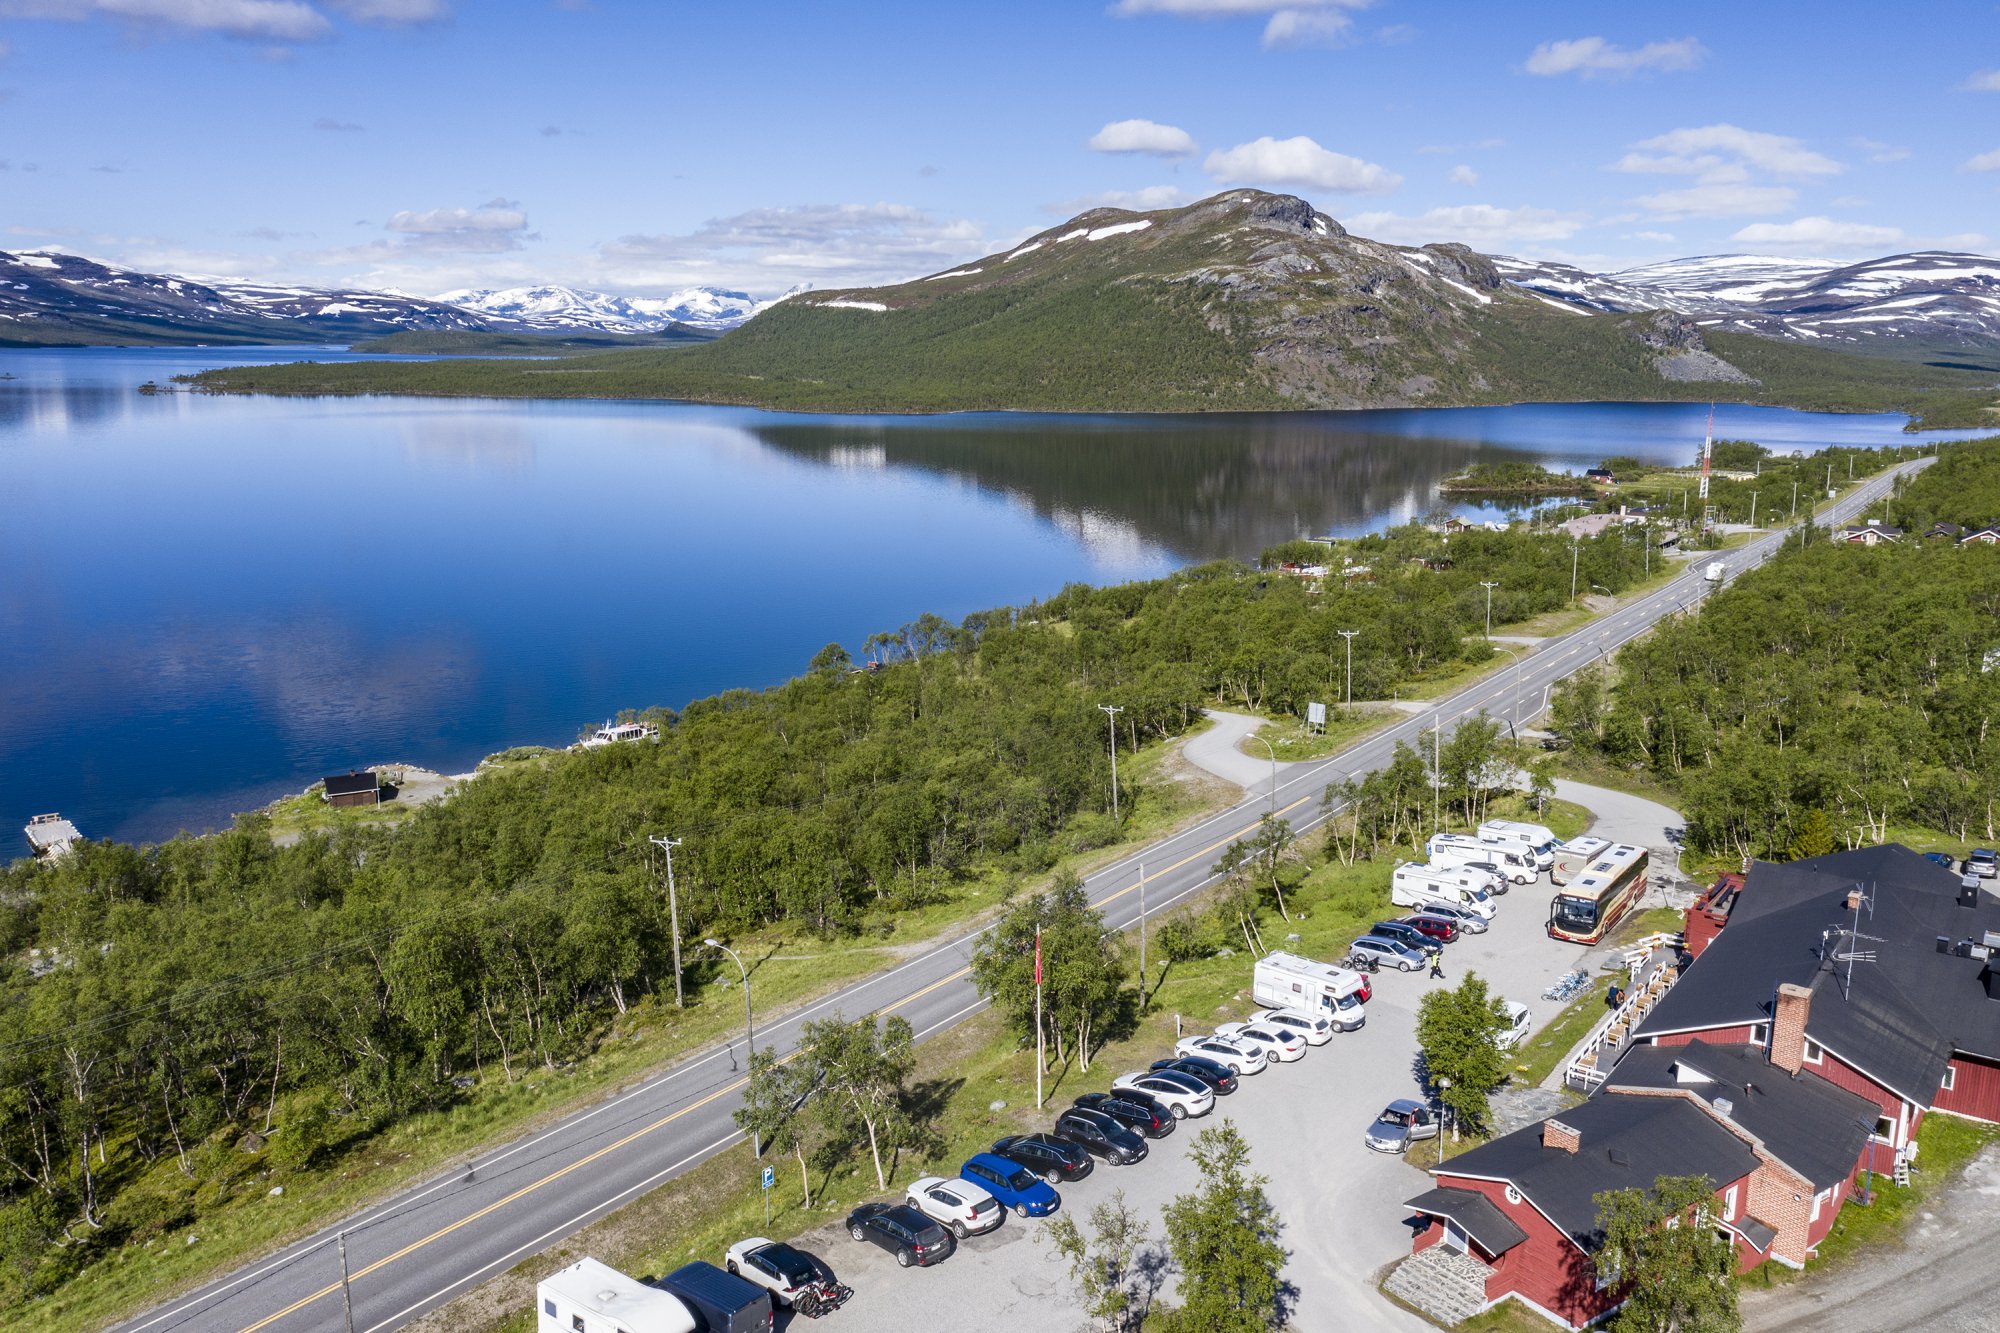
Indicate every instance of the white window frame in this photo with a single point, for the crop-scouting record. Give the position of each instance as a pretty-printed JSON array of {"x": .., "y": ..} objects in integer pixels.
[
  {"x": 1819, "y": 1199},
  {"x": 1950, "y": 1079},
  {"x": 1760, "y": 1033},
  {"x": 1454, "y": 1237},
  {"x": 1813, "y": 1053},
  {"x": 1729, "y": 1204},
  {"x": 1513, "y": 1195}
]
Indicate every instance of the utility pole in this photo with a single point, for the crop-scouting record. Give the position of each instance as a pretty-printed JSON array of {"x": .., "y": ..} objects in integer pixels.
[
  {"x": 1829, "y": 476},
  {"x": 1489, "y": 605},
  {"x": 1795, "y": 503},
  {"x": 346, "y": 1297},
  {"x": 1111, "y": 721},
  {"x": 1142, "y": 935},
  {"x": 750, "y": 1037},
  {"x": 1753, "y": 509},
  {"x": 1348, "y": 635},
  {"x": 1576, "y": 545},
  {"x": 1437, "y": 773},
  {"x": 673, "y": 915}
]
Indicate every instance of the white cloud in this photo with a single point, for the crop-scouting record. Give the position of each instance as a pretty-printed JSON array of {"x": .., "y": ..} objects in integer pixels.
[
  {"x": 1594, "y": 57},
  {"x": 334, "y": 126},
  {"x": 254, "y": 20},
  {"x": 1300, "y": 163},
  {"x": 1850, "y": 201},
  {"x": 393, "y": 12},
  {"x": 1658, "y": 237},
  {"x": 1138, "y": 201},
  {"x": 1478, "y": 225},
  {"x": 769, "y": 249},
  {"x": 1881, "y": 152},
  {"x": 496, "y": 226},
  {"x": 1464, "y": 175},
  {"x": 1292, "y": 29},
  {"x": 1721, "y": 199},
  {"x": 1720, "y": 153},
  {"x": 1984, "y": 162},
  {"x": 1986, "y": 81},
  {"x": 1143, "y": 136},
  {"x": 1818, "y": 235}
]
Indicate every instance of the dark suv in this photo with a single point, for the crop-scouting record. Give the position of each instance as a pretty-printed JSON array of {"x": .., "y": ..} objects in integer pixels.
[
  {"x": 901, "y": 1230},
  {"x": 1049, "y": 1157},
  {"x": 1442, "y": 929},
  {"x": 1405, "y": 935},
  {"x": 1219, "y": 1077},
  {"x": 1101, "y": 1136},
  {"x": 1134, "y": 1110}
]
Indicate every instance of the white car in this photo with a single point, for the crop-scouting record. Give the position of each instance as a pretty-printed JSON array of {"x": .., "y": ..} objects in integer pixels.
[
  {"x": 966, "y": 1208},
  {"x": 1516, "y": 1031},
  {"x": 1275, "y": 1042},
  {"x": 1317, "y": 1029},
  {"x": 1241, "y": 1058},
  {"x": 1183, "y": 1094},
  {"x": 775, "y": 1266}
]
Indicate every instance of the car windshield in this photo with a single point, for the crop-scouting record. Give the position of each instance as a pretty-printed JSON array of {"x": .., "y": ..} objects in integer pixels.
[
  {"x": 1393, "y": 1117},
  {"x": 789, "y": 1263},
  {"x": 1021, "y": 1179},
  {"x": 1573, "y": 912},
  {"x": 1481, "y": 895},
  {"x": 1349, "y": 1001}
]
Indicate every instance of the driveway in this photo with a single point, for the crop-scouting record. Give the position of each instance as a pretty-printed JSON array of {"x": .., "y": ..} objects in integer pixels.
[
  {"x": 1215, "y": 751},
  {"x": 1341, "y": 1203}
]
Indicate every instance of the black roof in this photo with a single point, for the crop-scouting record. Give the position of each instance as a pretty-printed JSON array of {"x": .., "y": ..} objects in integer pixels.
[
  {"x": 346, "y": 784},
  {"x": 709, "y": 1284},
  {"x": 1807, "y": 1123},
  {"x": 1495, "y": 1232},
  {"x": 1625, "y": 1142},
  {"x": 1757, "y": 1233},
  {"x": 1906, "y": 1011}
]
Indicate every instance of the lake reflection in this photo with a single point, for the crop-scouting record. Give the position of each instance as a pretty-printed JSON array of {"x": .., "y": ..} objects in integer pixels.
[{"x": 205, "y": 602}]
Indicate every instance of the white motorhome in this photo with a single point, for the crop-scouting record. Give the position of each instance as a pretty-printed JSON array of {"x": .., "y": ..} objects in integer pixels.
[
  {"x": 1512, "y": 833},
  {"x": 1287, "y": 981},
  {"x": 590, "y": 1297},
  {"x": 1574, "y": 857},
  {"x": 1461, "y": 849},
  {"x": 1412, "y": 885}
]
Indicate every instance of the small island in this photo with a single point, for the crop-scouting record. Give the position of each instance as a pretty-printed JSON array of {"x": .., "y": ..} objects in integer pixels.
[{"x": 1515, "y": 479}]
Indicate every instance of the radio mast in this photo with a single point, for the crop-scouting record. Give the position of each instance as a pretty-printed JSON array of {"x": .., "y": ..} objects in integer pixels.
[{"x": 1707, "y": 453}]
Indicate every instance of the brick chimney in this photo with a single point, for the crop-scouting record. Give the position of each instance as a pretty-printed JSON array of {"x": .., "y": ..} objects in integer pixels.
[
  {"x": 1788, "y": 1027},
  {"x": 1555, "y": 1134}
]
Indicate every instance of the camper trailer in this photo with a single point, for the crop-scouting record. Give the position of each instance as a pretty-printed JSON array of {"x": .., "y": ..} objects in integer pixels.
[
  {"x": 1423, "y": 886},
  {"x": 1286, "y": 981},
  {"x": 591, "y": 1297},
  {"x": 1517, "y": 864},
  {"x": 1514, "y": 835},
  {"x": 1572, "y": 858}
]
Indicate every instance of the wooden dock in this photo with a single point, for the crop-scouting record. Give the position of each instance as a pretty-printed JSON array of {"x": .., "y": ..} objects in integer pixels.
[{"x": 51, "y": 835}]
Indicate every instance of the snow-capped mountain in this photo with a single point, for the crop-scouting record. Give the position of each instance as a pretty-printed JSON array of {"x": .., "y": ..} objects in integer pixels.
[
  {"x": 49, "y": 296},
  {"x": 566, "y": 308},
  {"x": 1931, "y": 295}
]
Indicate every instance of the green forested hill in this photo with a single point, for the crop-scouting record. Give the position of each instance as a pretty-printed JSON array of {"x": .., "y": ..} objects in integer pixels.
[{"x": 1243, "y": 301}]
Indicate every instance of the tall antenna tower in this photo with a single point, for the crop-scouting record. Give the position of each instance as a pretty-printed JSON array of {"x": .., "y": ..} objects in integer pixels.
[
  {"x": 1707, "y": 454},
  {"x": 1850, "y": 951}
]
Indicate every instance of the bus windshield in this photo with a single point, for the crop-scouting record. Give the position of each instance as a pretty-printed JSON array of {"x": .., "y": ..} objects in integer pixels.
[{"x": 1573, "y": 913}]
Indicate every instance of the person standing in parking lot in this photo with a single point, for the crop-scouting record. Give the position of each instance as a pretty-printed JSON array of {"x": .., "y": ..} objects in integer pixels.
[{"x": 1437, "y": 965}]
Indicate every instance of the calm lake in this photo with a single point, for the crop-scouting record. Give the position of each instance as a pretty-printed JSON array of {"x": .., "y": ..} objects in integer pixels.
[{"x": 209, "y": 602}]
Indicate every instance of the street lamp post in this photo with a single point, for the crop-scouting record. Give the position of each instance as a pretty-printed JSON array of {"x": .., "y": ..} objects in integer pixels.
[
  {"x": 750, "y": 1037},
  {"x": 1111, "y": 724},
  {"x": 1348, "y": 635},
  {"x": 1489, "y": 605}
]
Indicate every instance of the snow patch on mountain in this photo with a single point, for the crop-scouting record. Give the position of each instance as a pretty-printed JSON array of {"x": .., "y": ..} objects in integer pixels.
[{"x": 568, "y": 308}]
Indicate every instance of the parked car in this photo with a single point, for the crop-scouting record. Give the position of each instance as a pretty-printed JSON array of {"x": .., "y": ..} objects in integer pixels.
[
  {"x": 1049, "y": 1157},
  {"x": 1405, "y": 934},
  {"x": 1401, "y": 1123},
  {"x": 1944, "y": 859},
  {"x": 1220, "y": 1078},
  {"x": 1101, "y": 1136},
  {"x": 1440, "y": 928},
  {"x": 1183, "y": 1095},
  {"x": 966, "y": 1209},
  {"x": 1277, "y": 1043},
  {"x": 1983, "y": 862},
  {"x": 791, "y": 1276},
  {"x": 1497, "y": 882},
  {"x": 1012, "y": 1184},
  {"x": 1134, "y": 1110},
  {"x": 772, "y": 1265},
  {"x": 901, "y": 1230},
  {"x": 1317, "y": 1029},
  {"x": 1241, "y": 1059},
  {"x": 1388, "y": 953},
  {"x": 1468, "y": 920},
  {"x": 1518, "y": 1020}
]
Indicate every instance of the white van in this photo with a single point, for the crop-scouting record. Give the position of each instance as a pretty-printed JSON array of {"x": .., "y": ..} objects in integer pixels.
[
  {"x": 1572, "y": 858},
  {"x": 1515, "y": 834},
  {"x": 1459, "y": 849},
  {"x": 597, "y": 1298},
  {"x": 1287, "y": 981},
  {"x": 1413, "y": 885}
]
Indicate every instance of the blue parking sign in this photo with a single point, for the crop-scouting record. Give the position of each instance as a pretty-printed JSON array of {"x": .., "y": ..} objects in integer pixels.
[{"x": 770, "y": 1177}]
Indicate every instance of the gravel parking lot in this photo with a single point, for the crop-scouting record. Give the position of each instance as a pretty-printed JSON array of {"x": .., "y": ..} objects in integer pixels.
[{"x": 1304, "y": 1122}]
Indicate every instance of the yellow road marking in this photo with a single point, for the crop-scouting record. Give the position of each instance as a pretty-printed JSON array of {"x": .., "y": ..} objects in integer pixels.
[{"x": 1196, "y": 855}]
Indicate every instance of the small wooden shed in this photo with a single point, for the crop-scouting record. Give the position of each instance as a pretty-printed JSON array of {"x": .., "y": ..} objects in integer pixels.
[{"x": 364, "y": 788}]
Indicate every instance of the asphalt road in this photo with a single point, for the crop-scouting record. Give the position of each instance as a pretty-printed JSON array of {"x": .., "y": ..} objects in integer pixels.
[{"x": 422, "y": 1247}]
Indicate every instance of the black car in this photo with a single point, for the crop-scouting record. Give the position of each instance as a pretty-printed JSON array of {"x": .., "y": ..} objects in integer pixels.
[
  {"x": 901, "y": 1230},
  {"x": 1219, "y": 1077},
  {"x": 1101, "y": 1136},
  {"x": 1405, "y": 935},
  {"x": 1134, "y": 1110},
  {"x": 1053, "y": 1159}
]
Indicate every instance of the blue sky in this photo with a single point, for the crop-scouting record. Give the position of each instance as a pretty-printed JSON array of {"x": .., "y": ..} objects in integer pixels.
[{"x": 643, "y": 147}]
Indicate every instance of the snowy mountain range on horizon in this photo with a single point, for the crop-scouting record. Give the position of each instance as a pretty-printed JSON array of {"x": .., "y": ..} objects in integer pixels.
[{"x": 558, "y": 308}]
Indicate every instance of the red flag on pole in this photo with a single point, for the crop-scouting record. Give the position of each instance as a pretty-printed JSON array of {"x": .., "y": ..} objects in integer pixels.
[{"x": 1038, "y": 955}]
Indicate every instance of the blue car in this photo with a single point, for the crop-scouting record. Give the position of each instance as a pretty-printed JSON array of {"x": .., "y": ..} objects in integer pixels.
[
  {"x": 1014, "y": 1185},
  {"x": 1941, "y": 858}
]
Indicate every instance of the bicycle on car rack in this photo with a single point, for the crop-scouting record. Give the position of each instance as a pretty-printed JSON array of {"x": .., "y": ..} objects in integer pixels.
[{"x": 823, "y": 1299}]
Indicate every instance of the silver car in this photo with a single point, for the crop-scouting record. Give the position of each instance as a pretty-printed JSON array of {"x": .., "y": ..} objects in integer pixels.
[
  {"x": 1468, "y": 921},
  {"x": 1388, "y": 953},
  {"x": 1402, "y": 1123}
]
